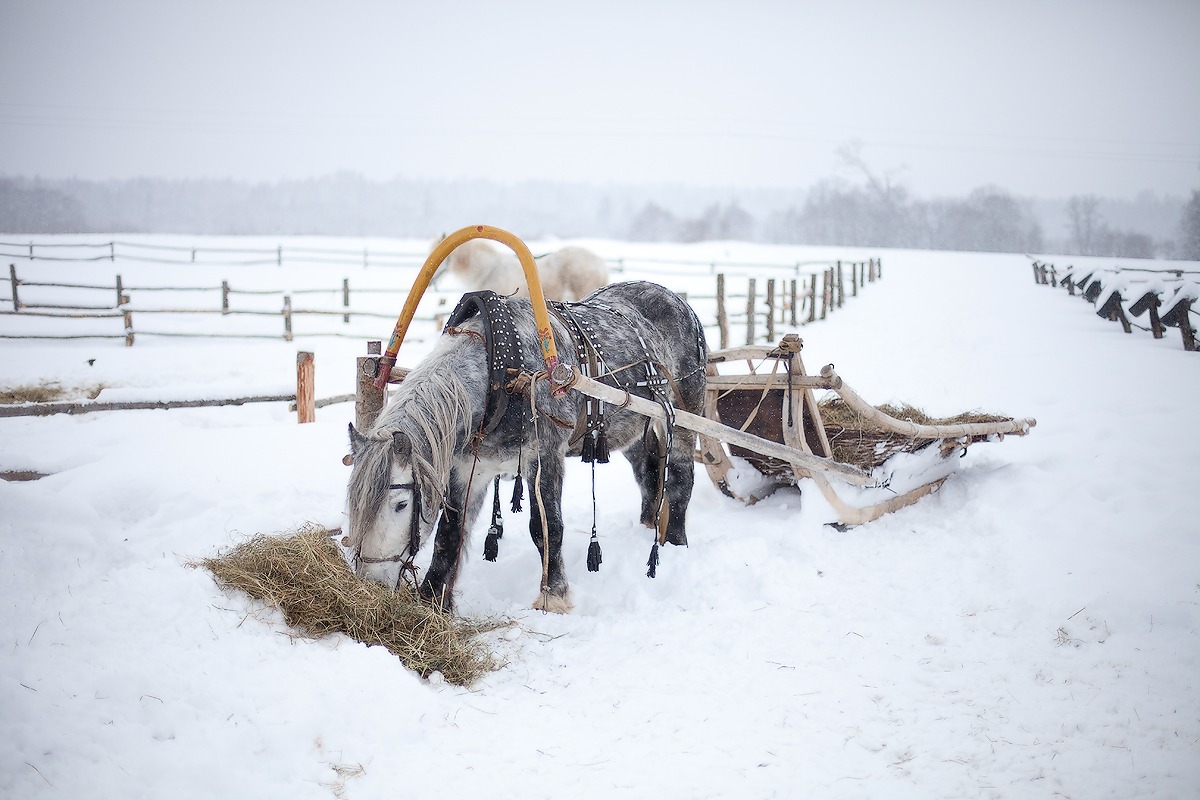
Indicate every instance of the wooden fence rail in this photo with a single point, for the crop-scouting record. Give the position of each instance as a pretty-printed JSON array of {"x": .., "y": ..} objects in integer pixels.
[
  {"x": 1166, "y": 296},
  {"x": 768, "y": 305}
]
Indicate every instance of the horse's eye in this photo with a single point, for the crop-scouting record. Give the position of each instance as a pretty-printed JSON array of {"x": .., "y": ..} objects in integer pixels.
[{"x": 401, "y": 506}]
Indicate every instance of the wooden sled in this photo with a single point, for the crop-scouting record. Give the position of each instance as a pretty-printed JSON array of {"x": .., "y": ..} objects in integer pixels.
[
  {"x": 779, "y": 405},
  {"x": 770, "y": 421}
]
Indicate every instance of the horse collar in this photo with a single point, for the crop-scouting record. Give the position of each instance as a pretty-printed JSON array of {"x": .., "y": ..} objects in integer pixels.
[{"x": 500, "y": 340}]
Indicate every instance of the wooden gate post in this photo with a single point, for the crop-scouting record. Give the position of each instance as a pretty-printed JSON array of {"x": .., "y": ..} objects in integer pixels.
[
  {"x": 306, "y": 410},
  {"x": 812, "y": 297},
  {"x": 128, "y": 328},
  {"x": 795, "y": 299},
  {"x": 368, "y": 401},
  {"x": 841, "y": 289}
]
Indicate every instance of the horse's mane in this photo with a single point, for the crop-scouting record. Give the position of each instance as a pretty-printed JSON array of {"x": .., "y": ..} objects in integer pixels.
[{"x": 433, "y": 408}]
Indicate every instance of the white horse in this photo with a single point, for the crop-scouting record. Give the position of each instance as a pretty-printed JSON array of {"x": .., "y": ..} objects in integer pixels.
[{"x": 568, "y": 274}]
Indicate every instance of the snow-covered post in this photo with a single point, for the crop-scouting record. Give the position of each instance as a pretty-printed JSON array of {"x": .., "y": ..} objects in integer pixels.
[
  {"x": 128, "y": 328},
  {"x": 794, "y": 300},
  {"x": 287, "y": 317},
  {"x": 224, "y": 297},
  {"x": 346, "y": 293}
]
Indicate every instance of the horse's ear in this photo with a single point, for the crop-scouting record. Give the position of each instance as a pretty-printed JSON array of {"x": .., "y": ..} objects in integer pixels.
[
  {"x": 401, "y": 446},
  {"x": 357, "y": 440}
]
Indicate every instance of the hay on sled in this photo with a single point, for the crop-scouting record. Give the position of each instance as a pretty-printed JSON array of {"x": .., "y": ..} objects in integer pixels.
[
  {"x": 305, "y": 576},
  {"x": 856, "y": 439}
]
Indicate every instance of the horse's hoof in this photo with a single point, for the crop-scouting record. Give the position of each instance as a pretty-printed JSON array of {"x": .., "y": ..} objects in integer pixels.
[
  {"x": 554, "y": 603},
  {"x": 442, "y": 601}
]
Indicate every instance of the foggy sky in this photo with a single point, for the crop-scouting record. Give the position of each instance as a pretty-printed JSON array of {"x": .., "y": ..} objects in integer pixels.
[{"x": 1042, "y": 98}]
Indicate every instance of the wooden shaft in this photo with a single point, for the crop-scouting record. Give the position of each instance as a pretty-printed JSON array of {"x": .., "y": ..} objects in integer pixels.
[
  {"x": 1018, "y": 427},
  {"x": 570, "y": 378},
  {"x": 306, "y": 410}
]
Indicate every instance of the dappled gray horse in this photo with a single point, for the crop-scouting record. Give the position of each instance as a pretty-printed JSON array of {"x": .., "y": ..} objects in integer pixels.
[{"x": 464, "y": 415}]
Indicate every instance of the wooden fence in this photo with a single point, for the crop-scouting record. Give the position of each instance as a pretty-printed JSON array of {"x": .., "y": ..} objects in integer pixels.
[
  {"x": 1122, "y": 294},
  {"x": 764, "y": 307}
]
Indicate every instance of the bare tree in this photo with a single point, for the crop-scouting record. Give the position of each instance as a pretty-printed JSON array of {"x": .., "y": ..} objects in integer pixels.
[{"x": 1086, "y": 223}]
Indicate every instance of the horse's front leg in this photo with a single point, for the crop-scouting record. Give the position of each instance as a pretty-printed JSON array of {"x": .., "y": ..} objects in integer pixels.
[
  {"x": 555, "y": 594},
  {"x": 459, "y": 512}
]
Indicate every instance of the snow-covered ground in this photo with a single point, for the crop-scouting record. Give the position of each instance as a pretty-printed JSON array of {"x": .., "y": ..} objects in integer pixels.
[{"x": 1030, "y": 630}]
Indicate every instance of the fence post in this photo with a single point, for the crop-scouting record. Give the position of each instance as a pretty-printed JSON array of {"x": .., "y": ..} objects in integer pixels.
[
  {"x": 122, "y": 298},
  {"x": 722, "y": 316},
  {"x": 306, "y": 410},
  {"x": 794, "y": 299},
  {"x": 287, "y": 317},
  {"x": 750, "y": 313},
  {"x": 1156, "y": 326},
  {"x": 841, "y": 288},
  {"x": 346, "y": 292},
  {"x": 879, "y": 267},
  {"x": 871, "y": 275},
  {"x": 770, "y": 310},
  {"x": 824, "y": 293},
  {"x": 129, "y": 329},
  {"x": 854, "y": 278},
  {"x": 1053, "y": 276},
  {"x": 12, "y": 276},
  {"x": 812, "y": 297},
  {"x": 112, "y": 251},
  {"x": 368, "y": 401},
  {"x": 279, "y": 255},
  {"x": 224, "y": 297}
]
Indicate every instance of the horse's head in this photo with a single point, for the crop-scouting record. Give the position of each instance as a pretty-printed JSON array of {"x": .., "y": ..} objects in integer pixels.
[{"x": 385, "y": 508}]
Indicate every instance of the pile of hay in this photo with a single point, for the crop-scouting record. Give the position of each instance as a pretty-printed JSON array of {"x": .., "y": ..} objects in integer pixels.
[
  {"x": 305, "y": 576},
  {"x": 856, "y": 440}
]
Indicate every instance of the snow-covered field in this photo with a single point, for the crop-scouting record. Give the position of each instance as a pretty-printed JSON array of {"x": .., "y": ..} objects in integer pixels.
[{"x": 1030, "y": 630}]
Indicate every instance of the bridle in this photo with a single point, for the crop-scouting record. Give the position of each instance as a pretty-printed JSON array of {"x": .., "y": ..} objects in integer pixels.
[{"x": 406, "y": 556}]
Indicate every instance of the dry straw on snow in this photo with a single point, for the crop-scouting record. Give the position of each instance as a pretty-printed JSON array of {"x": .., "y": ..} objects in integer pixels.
[{"x": 305, "y": 577}]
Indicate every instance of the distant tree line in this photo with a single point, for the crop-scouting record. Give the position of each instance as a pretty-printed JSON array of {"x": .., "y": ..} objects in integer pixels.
[{"x": 877, "y": 212}]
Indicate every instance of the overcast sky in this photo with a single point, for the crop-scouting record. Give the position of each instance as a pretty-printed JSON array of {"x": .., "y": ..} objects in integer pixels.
[{"x": 1043, "y": 98}]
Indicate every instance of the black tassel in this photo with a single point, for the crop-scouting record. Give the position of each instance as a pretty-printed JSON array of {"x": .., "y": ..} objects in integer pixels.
[
  {"x": 588, "y": 454},
  {"x": 601, "y": 447},
  {"x": 491, "y": 545},
  {"x": 652, "y": 562},
  {"x": 594, "y": 559},
  {"x": 518, "y": 493}
]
